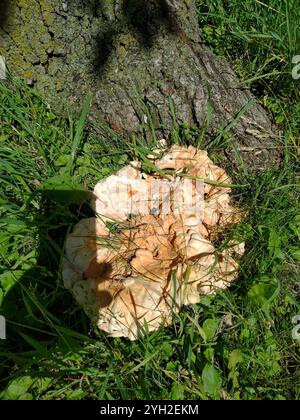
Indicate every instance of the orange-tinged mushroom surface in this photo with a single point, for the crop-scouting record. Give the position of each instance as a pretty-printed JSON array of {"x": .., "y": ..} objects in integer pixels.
[{"x": 133, "y": 279}]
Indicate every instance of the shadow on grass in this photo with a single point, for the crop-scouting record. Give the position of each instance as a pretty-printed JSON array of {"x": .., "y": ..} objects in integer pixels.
[
  {"x": 3, "y": 12},
  {"x": 41, "y": 316}
]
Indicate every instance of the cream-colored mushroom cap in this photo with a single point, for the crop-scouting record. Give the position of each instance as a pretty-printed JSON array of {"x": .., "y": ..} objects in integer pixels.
[{"x": 162, "y": 254}]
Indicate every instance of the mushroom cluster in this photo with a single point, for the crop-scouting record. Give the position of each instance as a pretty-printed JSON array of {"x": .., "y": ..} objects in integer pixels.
[{"x": 151, "y": 248}]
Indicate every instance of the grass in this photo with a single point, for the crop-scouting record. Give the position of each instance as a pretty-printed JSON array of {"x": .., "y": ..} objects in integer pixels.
[
  {"x": 236, "y": 345},
  {"x": 260, "y": 39}
]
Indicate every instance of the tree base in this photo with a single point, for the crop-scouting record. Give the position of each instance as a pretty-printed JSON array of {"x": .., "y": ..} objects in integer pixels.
[{"x": 136, "y": 55}]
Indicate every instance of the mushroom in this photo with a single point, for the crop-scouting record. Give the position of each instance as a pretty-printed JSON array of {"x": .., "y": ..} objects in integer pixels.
[
  {"x": 162, "y": 257},
  {"x": 111, "y": 195}
]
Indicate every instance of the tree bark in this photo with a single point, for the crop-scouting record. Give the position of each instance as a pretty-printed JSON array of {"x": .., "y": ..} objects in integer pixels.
[{"x": 133, "y": 54}]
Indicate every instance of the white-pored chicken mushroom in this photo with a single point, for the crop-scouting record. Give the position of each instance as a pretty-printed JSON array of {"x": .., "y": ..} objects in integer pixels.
[{"x": 134, "y": 280}]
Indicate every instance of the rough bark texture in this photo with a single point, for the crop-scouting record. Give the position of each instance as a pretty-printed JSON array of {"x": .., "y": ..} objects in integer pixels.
[{"x": 128, "y": 53}]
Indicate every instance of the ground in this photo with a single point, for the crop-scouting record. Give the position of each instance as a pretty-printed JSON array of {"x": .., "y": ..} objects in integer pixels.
[{"x": 236, "y": 345}]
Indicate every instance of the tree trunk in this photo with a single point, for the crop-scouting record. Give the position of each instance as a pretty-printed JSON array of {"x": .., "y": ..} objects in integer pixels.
[{"x": 132, "y": 53}]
